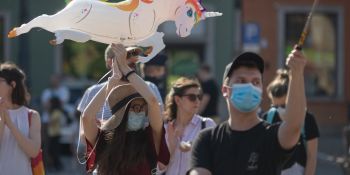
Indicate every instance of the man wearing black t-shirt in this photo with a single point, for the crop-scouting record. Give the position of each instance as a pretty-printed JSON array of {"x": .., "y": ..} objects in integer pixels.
[
  {"x": 209, "y": 103},
  {"x": 246, "y": 145}
]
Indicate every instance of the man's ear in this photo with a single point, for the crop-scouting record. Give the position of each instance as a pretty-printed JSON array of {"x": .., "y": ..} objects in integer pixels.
[
  {"x": 13, "y": 84},
  {"x": 109, "y": 63},
  {"x": 224, "y": 91}
]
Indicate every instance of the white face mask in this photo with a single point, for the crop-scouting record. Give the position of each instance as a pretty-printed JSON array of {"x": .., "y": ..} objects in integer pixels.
[{"x": 137, "y": 121}]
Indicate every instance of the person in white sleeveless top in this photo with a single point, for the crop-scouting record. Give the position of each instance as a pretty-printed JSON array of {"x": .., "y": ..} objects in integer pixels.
[
  {"x": 18, "y": 141},
  {"x": 184, "y": 124}
]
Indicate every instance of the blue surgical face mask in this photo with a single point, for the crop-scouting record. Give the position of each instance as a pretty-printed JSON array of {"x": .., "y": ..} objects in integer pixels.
[
  {"x": 137, "y": 121},
  {"x": 245, "y": 97}
]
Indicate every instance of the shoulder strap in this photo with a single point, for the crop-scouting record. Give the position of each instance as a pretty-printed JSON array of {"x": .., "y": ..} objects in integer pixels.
[
  {"x": 203, "y": 123},
  {"x": 30, "y": 112},
  {"x": 271, "y": 115},
  {"x": 303, "y": 135}
]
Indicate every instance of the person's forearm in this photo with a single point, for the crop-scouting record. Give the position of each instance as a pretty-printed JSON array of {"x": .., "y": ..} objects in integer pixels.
[
  {"x": 140, "y": 85},
  {"x": 296, "y": 102},
  {"x": 95, "y": 104},
  {"x": 173, "y": 143},
  {"x": 89, "y": 115},
  {"x": 311, "y": 156},
  {"x": 2, "y": 126},
  {"x": 290, "y": 129},
  {"x": 310, "y": 168},
  {"x": 27, "y": 145}
]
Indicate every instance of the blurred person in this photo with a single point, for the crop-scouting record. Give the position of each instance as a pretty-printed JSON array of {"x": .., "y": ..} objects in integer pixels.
[
  {"x": 132, "y": 141},
  {"x": 209, "y": 103},
  {"x": 245, "y": 144},
  {"x": 155, "y": 72},
  {"x": 20, "y": 137},
  {"x": 56, "y": 114},
  {"x": 184, "y": 124},
  {"x": 55, "y": 89},
  {"x": 304, "y": 159}
]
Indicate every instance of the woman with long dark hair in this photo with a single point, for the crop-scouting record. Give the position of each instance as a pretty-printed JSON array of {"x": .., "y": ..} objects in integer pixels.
[
  {"x": 132, "y": 141},
  {"x": 19, "y": 126}
]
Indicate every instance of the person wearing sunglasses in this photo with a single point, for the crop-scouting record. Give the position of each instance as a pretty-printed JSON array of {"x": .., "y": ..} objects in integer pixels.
[
  {"x": 132, "y": 140},
  {"x": 245, "y": 144},
  {"x": 184, "y": 124}
]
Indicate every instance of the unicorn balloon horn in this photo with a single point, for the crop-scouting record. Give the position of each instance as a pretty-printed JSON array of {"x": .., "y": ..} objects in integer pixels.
[{"x": 211, "y": 14}]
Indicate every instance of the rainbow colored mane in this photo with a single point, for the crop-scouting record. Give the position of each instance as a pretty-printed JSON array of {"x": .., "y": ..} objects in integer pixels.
[{"x": 198, "y": 7}]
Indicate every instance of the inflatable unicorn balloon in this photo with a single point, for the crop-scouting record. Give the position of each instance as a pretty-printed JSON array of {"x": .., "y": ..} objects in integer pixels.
[{"x": 131, "y": 22}]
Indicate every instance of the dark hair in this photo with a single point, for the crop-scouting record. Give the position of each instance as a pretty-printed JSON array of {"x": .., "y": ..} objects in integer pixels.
[
  {"x": 242, "y": 63},
  {"x": 117, "y": 150},
  {"x": 178, "y": 89},
  {"x": 205, "y": 68},
  {"x": 55, "y": 103},
  {"x": 279, "y": 86},
  {"x": 12, "y": 73}
]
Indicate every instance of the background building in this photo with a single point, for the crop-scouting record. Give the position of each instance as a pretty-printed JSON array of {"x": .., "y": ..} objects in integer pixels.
[{"x": 274, "y": 26}]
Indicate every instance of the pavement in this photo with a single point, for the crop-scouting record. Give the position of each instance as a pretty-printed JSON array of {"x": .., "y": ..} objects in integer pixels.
[{"x": 331, "y": 152}]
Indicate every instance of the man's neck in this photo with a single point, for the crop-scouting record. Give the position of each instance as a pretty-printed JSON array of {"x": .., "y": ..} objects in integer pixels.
[{"x": 240, "y": 121}]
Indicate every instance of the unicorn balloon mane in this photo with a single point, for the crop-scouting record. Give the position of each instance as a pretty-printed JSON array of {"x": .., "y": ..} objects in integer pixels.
[{"x": 130, "y": 22}]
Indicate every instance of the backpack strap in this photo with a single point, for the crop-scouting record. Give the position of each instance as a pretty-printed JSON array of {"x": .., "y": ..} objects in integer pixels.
[
  {"x": 303, "y": 135},
  {"x": 30, "y": 113},
  {"x": 271, "y": 115},
  {"x": 203, "y": 124}
]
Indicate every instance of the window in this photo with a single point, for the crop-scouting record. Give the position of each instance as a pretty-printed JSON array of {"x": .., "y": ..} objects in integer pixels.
[{"x": 322, "y": 48}]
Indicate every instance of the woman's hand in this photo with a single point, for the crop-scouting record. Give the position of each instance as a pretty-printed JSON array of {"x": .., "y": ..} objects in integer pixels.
[
  {"x": 171, "y": 130},
  {"x": 120, "y": 53},
  {"x": 115, "y": 78},
  {"x": 3, "y": 112}
]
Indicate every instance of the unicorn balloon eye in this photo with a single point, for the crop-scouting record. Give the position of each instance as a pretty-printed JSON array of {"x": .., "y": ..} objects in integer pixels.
[
  {"x": 130, "y": 22},
  {"x": 190, "y": 13}
]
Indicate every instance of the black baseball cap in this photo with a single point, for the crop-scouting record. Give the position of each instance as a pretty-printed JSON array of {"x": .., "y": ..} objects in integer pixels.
[
  {"x": 243, "y": 59},
  {"x": 158, "y": 60}
]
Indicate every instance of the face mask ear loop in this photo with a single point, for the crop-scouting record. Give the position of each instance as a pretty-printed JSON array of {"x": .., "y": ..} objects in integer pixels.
[{"x": 80, "y": 160}]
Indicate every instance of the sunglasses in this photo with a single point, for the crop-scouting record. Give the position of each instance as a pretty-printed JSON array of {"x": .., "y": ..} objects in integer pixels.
[
  {"x": 134, "y": 52},
  {"x": 193, "y": 97},
  {"x": 137, "y": 108}
]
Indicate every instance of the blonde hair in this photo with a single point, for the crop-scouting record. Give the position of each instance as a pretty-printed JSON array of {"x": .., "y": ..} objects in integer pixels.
[{"x": 109, "y": 54}]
